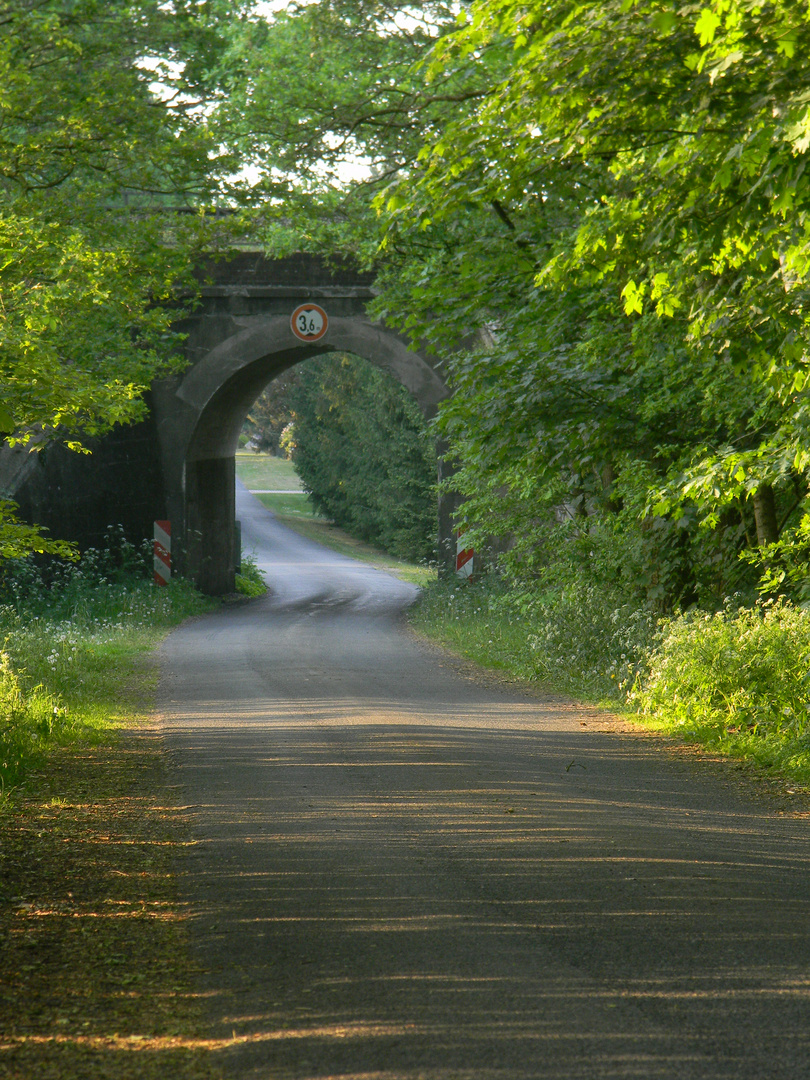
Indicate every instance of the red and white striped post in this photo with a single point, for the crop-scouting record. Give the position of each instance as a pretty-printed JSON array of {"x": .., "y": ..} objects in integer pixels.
[
  {"x": 464, "y": 558},
  {"x": 163, "y": 552}
]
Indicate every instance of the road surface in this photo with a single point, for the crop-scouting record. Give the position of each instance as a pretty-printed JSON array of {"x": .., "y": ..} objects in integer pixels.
[{"x": 403, "y": 873}]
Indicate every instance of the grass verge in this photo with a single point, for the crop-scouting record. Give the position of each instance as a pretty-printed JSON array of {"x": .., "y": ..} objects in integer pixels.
[
  {"x": 265, "y": 471},
  {"x": 734, "y": 682},
  {"x": 95, "y": 978},
  {"x": 72, "y": 662}
]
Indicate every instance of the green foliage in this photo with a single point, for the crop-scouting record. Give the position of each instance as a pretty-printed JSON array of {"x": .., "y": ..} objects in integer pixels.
[
  {"x": 270, "y": 414},
  {"x": 18, "y": 539},
  {"x": 584, "y": 640},
  {"x": 315, "y": 85},
  {"x": 90, "y": 162},
  {"x": 588, "y": 640},
  {"x": 621, "y": 215},
  {"x": 101, "y": 144},
  {"x": 739, "y": 668},
  {"x": 627, "y": 251},
  {"x": 74, "y": 638},
  {"x": 249, "y": 580},
  {"x": 363, "y": 452},
  {"x": 737, "y": 680},
  {"x": 50, "y": 587},
  {"x": 29, "y": 721},
  {"x": 326, "y": 102},
  {"x": 286, "y": 441}
]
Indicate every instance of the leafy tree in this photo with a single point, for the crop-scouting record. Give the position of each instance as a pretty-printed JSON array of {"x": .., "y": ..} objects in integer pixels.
[
  {"x": 325, "y": 103},
  {"x": 629, "y": 199},
  {"x": 100, "y": 136},
  {"x": 363, "y": 451},
  {"x": 271, "y": 413},
  {"x": 611, "y": 196}
]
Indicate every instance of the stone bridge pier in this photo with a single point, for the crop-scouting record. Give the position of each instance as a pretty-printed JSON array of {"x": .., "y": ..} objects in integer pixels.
[{"x": 179, "y": 463}]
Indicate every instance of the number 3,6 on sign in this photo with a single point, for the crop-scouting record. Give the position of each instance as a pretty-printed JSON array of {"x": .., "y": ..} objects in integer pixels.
[{"x": 309, "y": 322}]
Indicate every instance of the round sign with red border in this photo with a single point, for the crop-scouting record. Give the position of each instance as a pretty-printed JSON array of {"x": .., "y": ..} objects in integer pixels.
[{"x": 309, "y": 322}]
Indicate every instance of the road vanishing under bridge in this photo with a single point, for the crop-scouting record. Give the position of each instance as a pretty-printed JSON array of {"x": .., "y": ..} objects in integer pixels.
[{"x": 405, "y": 871}]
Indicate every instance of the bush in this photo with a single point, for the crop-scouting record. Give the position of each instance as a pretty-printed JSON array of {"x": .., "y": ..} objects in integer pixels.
[
  {"x": 736, "y": 681},
  {"x": 741, "y": 669},
  {"x": 74, "y": 637},
  {"x": 249, "y": 582},
  {"x": 588, "y": 640},
  {"x": 28, "y": 722}
]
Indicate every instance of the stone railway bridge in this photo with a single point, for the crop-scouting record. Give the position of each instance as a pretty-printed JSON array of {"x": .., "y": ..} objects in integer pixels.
[{"x": 179, "y": 462}]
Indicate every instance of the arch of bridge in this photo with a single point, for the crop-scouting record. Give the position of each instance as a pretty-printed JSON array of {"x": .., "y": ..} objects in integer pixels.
[{"x": 238, "y": 341}]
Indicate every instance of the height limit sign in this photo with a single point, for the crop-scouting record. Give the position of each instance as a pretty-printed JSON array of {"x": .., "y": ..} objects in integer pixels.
[{"x": 309, "y": 322}]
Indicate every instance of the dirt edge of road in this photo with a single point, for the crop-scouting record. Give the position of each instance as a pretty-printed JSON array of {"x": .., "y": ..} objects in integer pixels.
[{"x": 96, "y": 977}]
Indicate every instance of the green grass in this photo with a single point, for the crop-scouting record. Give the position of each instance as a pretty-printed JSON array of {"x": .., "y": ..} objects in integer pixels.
[
  {"x": 75, "y": 659},
  {"x": 466, "y": 619},
  {"x": 264, "y": 472},
  {"x": 579, "y": 641},
  {"x": 290, "y": 506}
]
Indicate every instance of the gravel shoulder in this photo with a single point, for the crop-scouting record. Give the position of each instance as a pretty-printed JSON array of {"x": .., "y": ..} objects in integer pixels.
[{"x": 96, "y": 976}]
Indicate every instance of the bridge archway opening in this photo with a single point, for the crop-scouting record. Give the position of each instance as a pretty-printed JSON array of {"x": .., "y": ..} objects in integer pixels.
[{"x": 200, "y": 417}]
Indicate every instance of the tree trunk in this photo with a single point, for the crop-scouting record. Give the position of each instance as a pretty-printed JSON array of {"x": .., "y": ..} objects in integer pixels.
[
  {"x": 765, "y": 515},
  {"x": 608, "y": 478}
]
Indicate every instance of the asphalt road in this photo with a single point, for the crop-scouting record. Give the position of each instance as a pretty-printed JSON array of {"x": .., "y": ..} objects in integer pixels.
[{"x": 403, "y": 873}]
